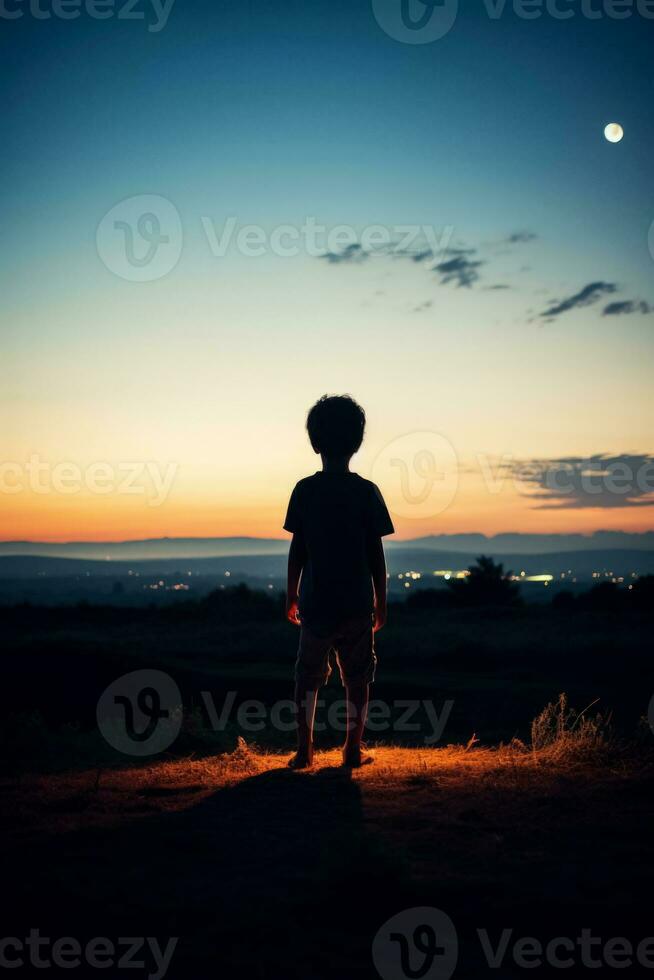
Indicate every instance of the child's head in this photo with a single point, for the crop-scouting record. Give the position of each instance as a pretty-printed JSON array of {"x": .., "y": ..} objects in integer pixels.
[{"x": 335, "y": 425}]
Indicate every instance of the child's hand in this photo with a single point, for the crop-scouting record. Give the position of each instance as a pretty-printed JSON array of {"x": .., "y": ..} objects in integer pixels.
[
  {"x": 292, "y": 611},
  {"x": 380, "y": 616}
]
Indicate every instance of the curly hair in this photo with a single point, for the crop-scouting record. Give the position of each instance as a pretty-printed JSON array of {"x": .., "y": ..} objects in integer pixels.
[{"x": 336, "y": 425}]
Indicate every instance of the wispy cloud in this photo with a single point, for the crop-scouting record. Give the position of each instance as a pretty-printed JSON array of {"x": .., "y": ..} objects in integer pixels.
[
  {"x": 460, "y": 270},
  {"x": 601, "y": 480},
  {"x": 521, "y": 238},
  {"x": 464, "y": 266},
  {"x": 423, "y": 256},
  {"x": 622, "y": 307},
  {"x": 585, "y": 297},
  {"x": 351, "y": 253}
]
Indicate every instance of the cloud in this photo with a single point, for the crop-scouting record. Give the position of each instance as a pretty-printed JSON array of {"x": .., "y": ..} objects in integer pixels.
[
  {"x": 575, "y": 482},
  {"x": 352, "y": 253},
  {"x": 503, "y": 245},
  {"x": 460, "y": 265},
  {"x": 460, "y": 270},
  {"x": 521, "y": 238},
  {"x": 457, "y": 266},
  {"x": 585, "y": 297},
  {"x": 459, "y": 250},
  {"x": 622, "y": 307}
]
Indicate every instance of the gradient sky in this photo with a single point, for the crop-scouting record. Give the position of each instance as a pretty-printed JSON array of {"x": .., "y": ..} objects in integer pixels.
[{"x": 274, "y": 112}]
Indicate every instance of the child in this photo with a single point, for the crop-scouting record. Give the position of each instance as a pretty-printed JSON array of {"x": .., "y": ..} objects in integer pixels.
[{"x": 336, "y": 558}]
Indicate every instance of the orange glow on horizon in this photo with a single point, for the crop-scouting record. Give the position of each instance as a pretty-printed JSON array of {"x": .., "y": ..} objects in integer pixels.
[{"x": 122, "y": 519}]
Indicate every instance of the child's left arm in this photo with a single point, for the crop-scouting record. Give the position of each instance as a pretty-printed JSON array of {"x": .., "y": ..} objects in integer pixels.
[
  {"x": 377, "y": 563},
  {"x": 297, "y": 556}
]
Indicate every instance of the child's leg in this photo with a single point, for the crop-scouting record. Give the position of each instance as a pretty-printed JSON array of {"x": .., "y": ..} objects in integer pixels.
[
  {"x": 305, "y": 703},
  {"x": 311, "y": 672},
  {"x": 356, "y": 658},
  {"x": 357, "y": 709}
]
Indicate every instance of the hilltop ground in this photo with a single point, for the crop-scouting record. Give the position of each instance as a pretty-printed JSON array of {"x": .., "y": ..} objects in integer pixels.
[
  {"x": 263, "y": 873},
  {"x": 267, "y": 873}
]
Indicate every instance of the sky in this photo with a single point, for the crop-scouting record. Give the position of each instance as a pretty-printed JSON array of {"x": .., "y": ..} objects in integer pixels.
[{"x": 438, "y": 228}]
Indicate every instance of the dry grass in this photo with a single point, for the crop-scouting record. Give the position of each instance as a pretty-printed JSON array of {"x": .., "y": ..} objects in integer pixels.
[{"x": 565, "y": 749}]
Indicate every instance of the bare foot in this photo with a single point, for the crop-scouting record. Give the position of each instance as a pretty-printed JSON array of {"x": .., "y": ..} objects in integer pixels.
[
  {"x": 303, "y": 759},
  {"x": 355, "y": 758}
]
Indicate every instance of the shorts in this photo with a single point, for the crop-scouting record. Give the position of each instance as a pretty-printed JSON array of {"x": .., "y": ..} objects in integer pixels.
[{"x": 353, "y": 645}]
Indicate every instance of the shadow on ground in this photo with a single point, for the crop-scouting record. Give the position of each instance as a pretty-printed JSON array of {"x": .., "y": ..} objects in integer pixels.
[{"x": 274, "y": 876}]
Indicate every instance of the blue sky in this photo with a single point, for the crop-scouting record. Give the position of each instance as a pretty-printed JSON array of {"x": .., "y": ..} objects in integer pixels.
[{"x": 272, "y": 112}]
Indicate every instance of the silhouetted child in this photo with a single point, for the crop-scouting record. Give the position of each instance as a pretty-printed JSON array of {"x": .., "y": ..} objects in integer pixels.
[{"x": 336, "y": 574}]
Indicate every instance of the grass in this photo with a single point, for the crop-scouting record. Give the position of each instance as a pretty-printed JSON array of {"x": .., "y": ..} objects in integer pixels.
[
  {"x": 266, "y": 872},
  {"x": 565, "y": 744}
]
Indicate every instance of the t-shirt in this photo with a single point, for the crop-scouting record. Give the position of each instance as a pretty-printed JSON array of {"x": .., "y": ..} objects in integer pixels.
[{"x": 337, "y": 514}]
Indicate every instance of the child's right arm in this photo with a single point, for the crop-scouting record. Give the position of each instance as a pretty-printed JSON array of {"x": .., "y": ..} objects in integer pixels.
[{"x": 297, "y": 556}]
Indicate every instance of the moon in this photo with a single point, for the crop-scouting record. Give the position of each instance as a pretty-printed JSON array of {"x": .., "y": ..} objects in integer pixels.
[{"x": 614, "y": 132}]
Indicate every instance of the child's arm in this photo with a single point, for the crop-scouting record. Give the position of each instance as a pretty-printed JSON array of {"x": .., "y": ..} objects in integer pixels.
[
  {"x": 377, "y": 563},
  {"x": 297, "y": 556}
]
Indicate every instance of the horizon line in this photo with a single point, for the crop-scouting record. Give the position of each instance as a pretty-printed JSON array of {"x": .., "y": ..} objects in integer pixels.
[{"x": 284, "y": 540}]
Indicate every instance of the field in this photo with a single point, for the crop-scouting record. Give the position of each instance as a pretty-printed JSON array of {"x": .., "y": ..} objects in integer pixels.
[{"x": 543, "y": 829}]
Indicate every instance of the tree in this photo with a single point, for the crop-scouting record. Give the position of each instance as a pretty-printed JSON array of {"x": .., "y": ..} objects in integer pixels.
[{"x": 486, "y": 584}]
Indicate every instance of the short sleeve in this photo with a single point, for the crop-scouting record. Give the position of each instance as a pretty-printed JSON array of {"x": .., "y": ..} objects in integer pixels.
[
  {"x": 292, "y": 522},
  {"x": 379, "y": 520}
]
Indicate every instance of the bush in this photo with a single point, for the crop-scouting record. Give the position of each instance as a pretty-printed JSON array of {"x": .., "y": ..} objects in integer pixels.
[{"x": 560, "y": 730}]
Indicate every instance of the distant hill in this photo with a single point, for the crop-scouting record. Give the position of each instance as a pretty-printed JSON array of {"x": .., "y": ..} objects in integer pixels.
[
  {"x": 541, "y": 544},
  {"x": 510, "y": 544},
  {"x": 148, "y": 548},
  {"x": 401, "y": 558}
]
